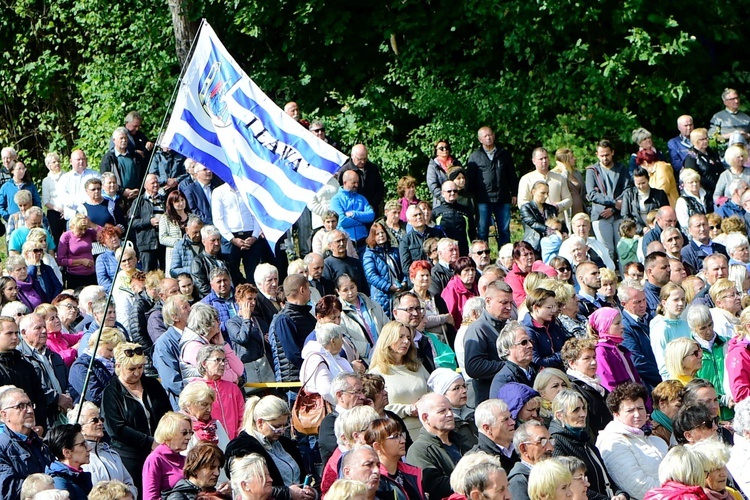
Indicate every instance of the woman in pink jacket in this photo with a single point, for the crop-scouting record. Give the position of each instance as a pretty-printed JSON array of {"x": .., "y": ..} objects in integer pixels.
[
  {"x": 738, "y": 359},
  {"x": 229, "y": 405},
  {"x": 461, "y": 287},
  {"x": 614, "y": 365}
]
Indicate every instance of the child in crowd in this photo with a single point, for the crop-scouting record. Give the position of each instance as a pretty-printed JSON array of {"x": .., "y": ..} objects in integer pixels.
[
  {"x": 627, "y": 247},
  {"x": 550, "y": 244}
]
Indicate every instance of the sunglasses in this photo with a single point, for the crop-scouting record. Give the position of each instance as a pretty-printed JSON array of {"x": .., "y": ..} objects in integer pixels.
[
  {"x": 482, "y": 252},
  {"x": 443, "y": 148},
  {"x": 96, "y": 420},
  {"x": 524, "y": 342},
  {"x": 138, "y": 351},
  {"x": 563, "y": 269}
]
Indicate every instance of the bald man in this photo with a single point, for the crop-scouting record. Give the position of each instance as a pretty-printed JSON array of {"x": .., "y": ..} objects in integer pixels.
[
  {"x": 371, "y": 184},
  {"x": 665, "y": 217},
  {"x": 355, "y": 212},
  {"x": 679, "y": 146}
]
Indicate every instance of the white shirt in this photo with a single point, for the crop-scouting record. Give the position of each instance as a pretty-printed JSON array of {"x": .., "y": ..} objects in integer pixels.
[
  {"x": 559, "y": 193},
  {"x": 226, "y": 205},
  {"x": 51, "y": 191},
  {"x": 71, "y": 190}
]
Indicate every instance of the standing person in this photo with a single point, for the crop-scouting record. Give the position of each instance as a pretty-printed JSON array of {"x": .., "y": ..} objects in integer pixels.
[
  {"x": 455, "y": 218},
  {"x": 491, "y": 175},
  {"x": 370, "y": 182},
  {"x": 636, "y": 332},
  {"x": 172, "y": 225},
  {"x": 730, "y": 119},
  {"x": 354, "y": 210},
  {"x": 21, "y": 179},
  {"x": 606, "y": 182},
  {"x": 703, "y": 159},
  {"x": 145, "y": 222},
  {"x": 438, "y": 170},
  {"x": 128, "y": 168},
  {"x": 565, "y": 165},
  {"x": 559, "y": 193},
  {"x": 382, "y": 267},
  {"x": 52, "y": 195},
  {"x": 678, "y": 146}
]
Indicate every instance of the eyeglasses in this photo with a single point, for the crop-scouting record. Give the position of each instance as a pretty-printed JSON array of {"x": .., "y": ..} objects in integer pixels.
[
  {"x": 524, "y": 342},
  {"x": 443, "y": 148},
  {"x": 564, "y": 269},
  {"x": 69, "y": 306},
  {"x": 96, "y": 420},
  {"x": 710, "y": 424},
  {"x": 482, "y": 252},
  {"x": 187, "y": 433},
  {"x": 399, "y": 436},
  {"x": 411, "y": 310},
  {"x": 583, "y": 478},
  {"x": 37, "y": 250},
  {"x": 450, "y": 191},
  {"x": 21, "y": 406},
  {"x": 457, "y": 387},
  {"x": 221, "y": 361},
  {"x": 82, "y": 443},
  {"x": 138, "y": 351},
  {"x": 339, "y": 242},
  {"x": 714, "y": 227},
  {"x": 355, "y": 393},
  {"x": 542, "y": 442},
  {"x": 315, "y": 131},
  {"x": 277, "y": 430}
]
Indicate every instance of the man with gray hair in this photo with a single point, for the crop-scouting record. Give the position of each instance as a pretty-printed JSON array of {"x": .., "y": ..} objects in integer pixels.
[
  {"x": 71, "y": 184},
  {"x": 730, "y": 119},
  {"x": 209, "y": 258},
  {"x": 349, "y": 392},
  {"x": 442, "y": 272},
  {"x": 679, "y": 146},
  {"x": 715, "y": 266},
  {"x": 694, "y": 253},
  {"x": 672, "y": 240},
  {"x": 315, "y": 265},
  {"x": 733, "y": 206},
  {"x": 49, "y": 366},
  {"x": 339, "y": 262},
  {"x": 175, "y": 311},
  {"x": 145, "y": 222},
  {"x": 636, "y": 333},
  {"x": 533, "y": 443},
  {"x": 411, "y": 247},
  {"x": 221, "y": 296},
  {"x": 86, "y": 299},
  {"x": 98, "y": 309},
  {"x": 22, "y": 451},
  {"x": 187, "y": 248},
  {"x": 439, "y": 447},
  {"x": 128, "y": 168},
  {"x": 496, "y": 428},
  {"x": 362, "y": 464}
]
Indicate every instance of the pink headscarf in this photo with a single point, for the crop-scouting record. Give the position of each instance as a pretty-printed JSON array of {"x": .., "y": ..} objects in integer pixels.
[{"x": 601, "y": 319}]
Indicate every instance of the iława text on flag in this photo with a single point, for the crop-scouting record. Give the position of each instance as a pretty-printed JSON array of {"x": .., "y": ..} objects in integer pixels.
[{"x": 224, "y": 121}]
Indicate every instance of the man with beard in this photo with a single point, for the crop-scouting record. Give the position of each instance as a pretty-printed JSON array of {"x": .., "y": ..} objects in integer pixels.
[{"x": 589, "y": 281}]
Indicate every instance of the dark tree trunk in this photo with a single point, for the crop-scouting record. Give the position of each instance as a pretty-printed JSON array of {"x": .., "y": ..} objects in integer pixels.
[{"x": 184, "y": 29}]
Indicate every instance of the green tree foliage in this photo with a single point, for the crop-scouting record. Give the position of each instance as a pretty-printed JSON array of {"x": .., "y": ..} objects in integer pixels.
[{"x": 396, "y": 74}]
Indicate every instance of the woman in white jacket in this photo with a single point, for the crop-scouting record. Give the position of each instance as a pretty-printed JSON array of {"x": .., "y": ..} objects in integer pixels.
[
  {"x": 322, "y": 361},
  {"x": 631, "y": 457}
]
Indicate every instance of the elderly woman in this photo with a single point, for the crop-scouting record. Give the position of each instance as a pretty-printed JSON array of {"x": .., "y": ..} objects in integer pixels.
[
  {"x": 439, "y": 320},
  {"x": 704, "y": 160},
  {"x": 71, "y": 451},
  {"x": 67, "y": 309},
  {"x": 451, "y": 384},
  {"x": 661, "y": 174},
  {"x": 247, "y": 335},
  {"x": 163, "y": 466},
  {"x": 740, "y": 276},
  {"x": 524, "y": 261},
  {"x": 29, "y": 289},
  {"x": 389, "y": 442},
  {"x": 362, "y": 317},
  {"x": 739, "y": 459},
  {"x": 322, "y": 360},
  {"x": 266, "y": 278},
  {"x": 667, "y": 400},
  {"x": 569, "y": 315},
  {"x": 516, "y": 348},
  {"x": 75, "y": 253},
  {"x": 122, "y": 287},
  {"x": 264, "y": 424},
  {"x": 550, "y": 480},
  {"x": 738, "y": 359},
  {"x": 545, "y": 333},
  {"x": 715, "y": 456},
  {"x": 395, "y": 358},
  {"x": 631, "y": 457},
  {"x": 328, "y": 310},
  {"x": 693, "y": 198},
  {"x": 460, "y": 288},
  {"x": 579, "y": 356},
  {"x": 64, "y": 344},
  {"x": 99, "y": 210},
  {"x": 437, "y": 170},
  {"x": 52, "y": 195},
  {"x": 102, "y": 370},
  {"x": 203, "y": 329},
  {"x": 196, "y": 401},
  {"x": 738, "y": 250},
  {"x": 201, "y": 475},
  {"x": 228, "y": 401},
  {"x": 23, "y": 200},
  {"x": 727, "y": 308},
  {"x": 568, "y": 429},
  {"x": 33, "y": 253},
  {"x": 548, "y": 383},
  {"x": 382, "y": 267},
  {"x": 524, "y": 402},
  {"x": 39, "y": 235},
  {"x": 132, "y": 406},
  {"x": 251, "y": 479},
  {"x": 683, "y": 358},
  {"x": 106, "y": 262},
  {"x": 576, "y": 250},
  {"x": 105, "y": 463},
  {"x": 395, "y": 228},
  {"x": 735, "y": 157},
  {"x": 643, "y": 139},
  {"x": 682, "y": 474}
]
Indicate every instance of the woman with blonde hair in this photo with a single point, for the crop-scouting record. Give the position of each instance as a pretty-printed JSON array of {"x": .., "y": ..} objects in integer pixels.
[
  {"x": 728, "y": 304},
  {"x": 692, "y": 285},
  {"x": 683, "y": 358},
  {"x": 565, "y": 165},
  {"x": 395, "y": 359},
  {"x": 740, "y": 276},
  {"x": 163, "y": 467},
  {"x": 682, "y": 474},
  {"x": 123, "y": 288},
  {"x": 550, "y": 480},
  {"x": 548, "y": 383},
  {"x": 715, "y": 456},
  {"x": 738, "y": 359},
  {"x": 132, "y": 406},
  {"x": 668, "y": 324},
  {"x": 579, "y": 356},
  {"x": 196, "y": 400},
  {"x": 75, "y": 252},
  {"x": 264, "y": 424},
  {"x": 102, "y": 370},
  {"x": 250, "y": 478},
  {"x": 347, "y": 489},
  {"x": 667, "y": 400}
]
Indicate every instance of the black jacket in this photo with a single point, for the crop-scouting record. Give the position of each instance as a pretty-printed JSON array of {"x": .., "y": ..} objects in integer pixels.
[
  {"x": 411, "y": 247},
  {"x": 534, "y": 227},
  {"x": 16, "y": 369},
  {"x": 264, "y": 310},
  {"x": 201, "y": 266},
  {"x": 511, "y": 372},
  {"x": 488, "y": 446},
  {"x": 61, "y": 374},
  {"x": 480, "y": 355},
  {"x": 441, "y": 275},
  {"x": 458, "y": 223},
  {"x": 146, "y": 235},
  {"x": 335, "y": 267},
  {"x": 287, "y": 334},
  {"x": 568, "y": 444},
  {"x": 518, "y": 481},
  {"x": 429, "y": 454},
  {"x": 126, "y": 422},
  {"x": 598, "y": 414},
  {"x": 708, "y": 164},
  {"x": 138, "y": 328},
  {"x": 693, "y": 256},
  {"x": 491, "y": 181},
  {"x": 630, "y": 208},
  {"x": 245, "y": 444}
]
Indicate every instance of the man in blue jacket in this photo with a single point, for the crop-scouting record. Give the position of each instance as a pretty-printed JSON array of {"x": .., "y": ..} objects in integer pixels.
[
  {"x": 355, "y": 213},
  {"x": 635, "y": 334}
]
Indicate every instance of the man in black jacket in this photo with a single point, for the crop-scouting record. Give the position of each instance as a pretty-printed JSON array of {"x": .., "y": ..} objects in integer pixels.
[
  {"x": 480, "y": 352},
  {"x": 146, "y": 223},
  {"x": 496, "y": 428},
  {"x": 16, "y": 370},
  {"x": 455, "y": 218},
  {"x": 371, "y": 184},
  {"x": 208, "y": 258},
  {"x": 339, "y": 263},
  {"x": 533, "y": 444},
  {"x": 411, "y": 247},
  {"x": 349, "y": 392}
]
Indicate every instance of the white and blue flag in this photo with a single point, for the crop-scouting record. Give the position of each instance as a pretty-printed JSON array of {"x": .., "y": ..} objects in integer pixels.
[{"x": 224, "y": 121}]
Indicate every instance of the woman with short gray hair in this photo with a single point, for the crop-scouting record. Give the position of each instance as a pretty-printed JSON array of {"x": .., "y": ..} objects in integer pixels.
[
  {"x": 229, "y": 401},
  {"x": 203, "y": 329},
  {"x": 323, "y": 360}
]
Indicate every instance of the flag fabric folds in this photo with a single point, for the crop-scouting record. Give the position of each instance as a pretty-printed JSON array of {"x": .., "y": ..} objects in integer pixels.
[{"x": 222, "y": 120}]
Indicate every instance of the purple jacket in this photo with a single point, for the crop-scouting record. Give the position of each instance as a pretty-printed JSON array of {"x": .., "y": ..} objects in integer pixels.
[{"x": 614, "y": 365}]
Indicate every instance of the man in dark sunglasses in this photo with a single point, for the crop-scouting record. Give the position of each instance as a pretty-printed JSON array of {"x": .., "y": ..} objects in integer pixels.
[
  {"x": 480, "y": 254},
  {"x": 455, "y": 219}
]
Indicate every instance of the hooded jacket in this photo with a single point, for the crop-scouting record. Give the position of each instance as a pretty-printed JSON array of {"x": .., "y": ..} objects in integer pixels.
[
  {"x": 672, "y": 490},
  {"x": 78, "y": 484}
]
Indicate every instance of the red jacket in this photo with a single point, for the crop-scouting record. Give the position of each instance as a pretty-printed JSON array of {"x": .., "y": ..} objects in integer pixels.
[
  {"x": 515, "y": 279},
  {"x": 672, "y": 490}
]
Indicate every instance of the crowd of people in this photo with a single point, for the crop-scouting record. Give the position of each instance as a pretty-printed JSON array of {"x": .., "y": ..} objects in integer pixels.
[{"x": 611, "y": 365}]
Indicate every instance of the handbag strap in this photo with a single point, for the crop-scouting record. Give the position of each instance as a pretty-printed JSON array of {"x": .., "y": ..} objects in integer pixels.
[{"x": 313, "y": 373}]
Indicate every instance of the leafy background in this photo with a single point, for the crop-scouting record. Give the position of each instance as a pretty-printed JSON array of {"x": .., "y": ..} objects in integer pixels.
[{"x": 396, "y": 75}]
